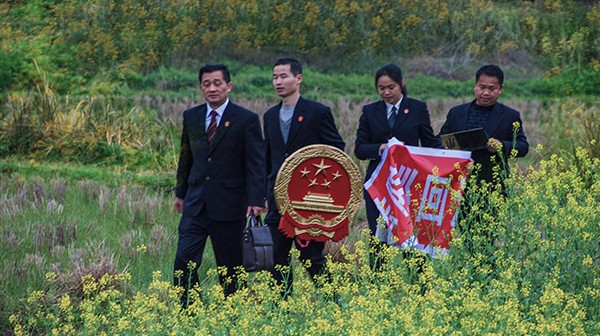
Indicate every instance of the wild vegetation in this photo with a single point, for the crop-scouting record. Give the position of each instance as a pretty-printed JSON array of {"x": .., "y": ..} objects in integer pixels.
[
  {"x": 90, "y": 257},
  {"x": 101, "y": 46},
  {"x": 142, "y": 133},
  {"x": 92, "y": 94}
]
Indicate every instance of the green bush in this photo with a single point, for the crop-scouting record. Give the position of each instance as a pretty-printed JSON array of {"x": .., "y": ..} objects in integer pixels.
[
  {"x": 74, "y": 40},
  {"x": 10, "y": 69}
]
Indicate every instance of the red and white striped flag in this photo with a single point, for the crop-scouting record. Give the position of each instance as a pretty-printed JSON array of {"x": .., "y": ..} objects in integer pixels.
[{"x": 417, "y": 191}]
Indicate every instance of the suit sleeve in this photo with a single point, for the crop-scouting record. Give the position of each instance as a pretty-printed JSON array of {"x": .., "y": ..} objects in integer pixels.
[
  {"x": 267, "y": 149},
  {"x": 364, "y": 148},
  {"x": 255, "y": 162},
  {"x": 185, "y": 164},
  {"x": 328, "y": 132}
]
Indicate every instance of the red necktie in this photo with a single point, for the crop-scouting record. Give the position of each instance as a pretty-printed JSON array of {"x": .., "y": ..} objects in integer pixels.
[{"x": 212, "y": 127}]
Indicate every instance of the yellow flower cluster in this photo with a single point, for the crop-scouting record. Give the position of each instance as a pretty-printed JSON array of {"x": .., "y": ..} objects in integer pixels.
[
  {"x": 141, "y": 34},
  {"x": 524, "y": 260}
]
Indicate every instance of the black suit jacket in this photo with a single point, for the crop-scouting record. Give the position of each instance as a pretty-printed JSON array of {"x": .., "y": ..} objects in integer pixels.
[
  {"x": 312, "y": 123},
  {"x": 501, "y": 126},
  {"x": 412, "y": 125},
  {"x": 229, "y": 176}
]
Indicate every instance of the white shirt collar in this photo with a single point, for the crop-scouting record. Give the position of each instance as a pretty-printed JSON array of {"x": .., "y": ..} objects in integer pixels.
[
  {"x": 389, "y": 106},
  {"x": 220, "y": 110}
]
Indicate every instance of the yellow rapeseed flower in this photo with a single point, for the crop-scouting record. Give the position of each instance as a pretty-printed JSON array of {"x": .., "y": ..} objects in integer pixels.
[
  {"x": 141, "y": 249},
  {"x": 64, "y": 303},
  {"x": 51, "y": 277},
  {"x": 35, "y": 296}
]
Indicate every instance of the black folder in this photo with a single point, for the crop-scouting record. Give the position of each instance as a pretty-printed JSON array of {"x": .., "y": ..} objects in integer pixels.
[{"x": 469, "y": 140}]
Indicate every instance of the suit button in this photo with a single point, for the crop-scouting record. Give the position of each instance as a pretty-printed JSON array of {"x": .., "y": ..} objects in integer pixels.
[
  {"x": 209, "y": 159},
  {"x": 286, "y": 154},
  {"x": 207, "y": 178}
]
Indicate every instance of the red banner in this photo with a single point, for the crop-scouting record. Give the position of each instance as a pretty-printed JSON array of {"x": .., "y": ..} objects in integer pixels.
[{"x": 417, "y": 191}]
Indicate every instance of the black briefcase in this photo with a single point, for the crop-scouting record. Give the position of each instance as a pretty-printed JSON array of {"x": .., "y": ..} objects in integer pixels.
[{"x": 257, "y": 245}]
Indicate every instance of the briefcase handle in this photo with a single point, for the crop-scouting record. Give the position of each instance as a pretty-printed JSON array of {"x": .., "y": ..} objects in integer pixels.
[{"x": 254, "y": 221}]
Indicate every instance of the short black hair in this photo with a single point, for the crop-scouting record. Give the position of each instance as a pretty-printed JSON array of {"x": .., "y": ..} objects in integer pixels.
[
  {"x": 295, "y": 65},
  {"x": 491, "y": 70},
  {"x": 394, "y": 72},
  {"x": 212, "y": 68}
]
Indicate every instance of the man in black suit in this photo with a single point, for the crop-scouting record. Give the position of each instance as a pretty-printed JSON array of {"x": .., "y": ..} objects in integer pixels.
[
  {"x": 501, "y": 123},
  {"x": 220, "y": 179},
  {"x": 506, "y": 139},
  {"x": 288, "y": 126}
]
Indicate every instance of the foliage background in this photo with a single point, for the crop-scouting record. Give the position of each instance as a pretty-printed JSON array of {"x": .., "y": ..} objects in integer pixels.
[
  {"x": 91, "y": 97},
  {"x": 81, "y": 42}
]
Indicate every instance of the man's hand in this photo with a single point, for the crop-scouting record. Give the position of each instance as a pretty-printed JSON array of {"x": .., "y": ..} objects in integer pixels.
[
  {"x": 494, "y": 145},
  {"x": 256, "y": 209},
  {"x": 178, "y": 204}
]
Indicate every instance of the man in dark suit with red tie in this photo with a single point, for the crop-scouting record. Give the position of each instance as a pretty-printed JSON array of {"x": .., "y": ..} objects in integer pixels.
[
  {"x": 288, "y": 126},
  {"x": 220, "y": 179}
]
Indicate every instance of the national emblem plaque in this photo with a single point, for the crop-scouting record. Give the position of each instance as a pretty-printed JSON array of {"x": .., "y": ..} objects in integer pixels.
[{"x": 318, "y": 190}]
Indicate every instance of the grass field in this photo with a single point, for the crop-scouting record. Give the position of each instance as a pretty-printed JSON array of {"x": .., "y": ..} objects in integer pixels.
[
  {"x": 95, "y": 256},
  {"x": 88, "y": 248},
  {"x": 91, "y": 98}
]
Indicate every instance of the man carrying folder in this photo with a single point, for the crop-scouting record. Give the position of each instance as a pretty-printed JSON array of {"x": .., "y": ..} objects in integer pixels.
[
  {"x": 490, "y": 129},
  {"x": 502, "y": 137}
]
